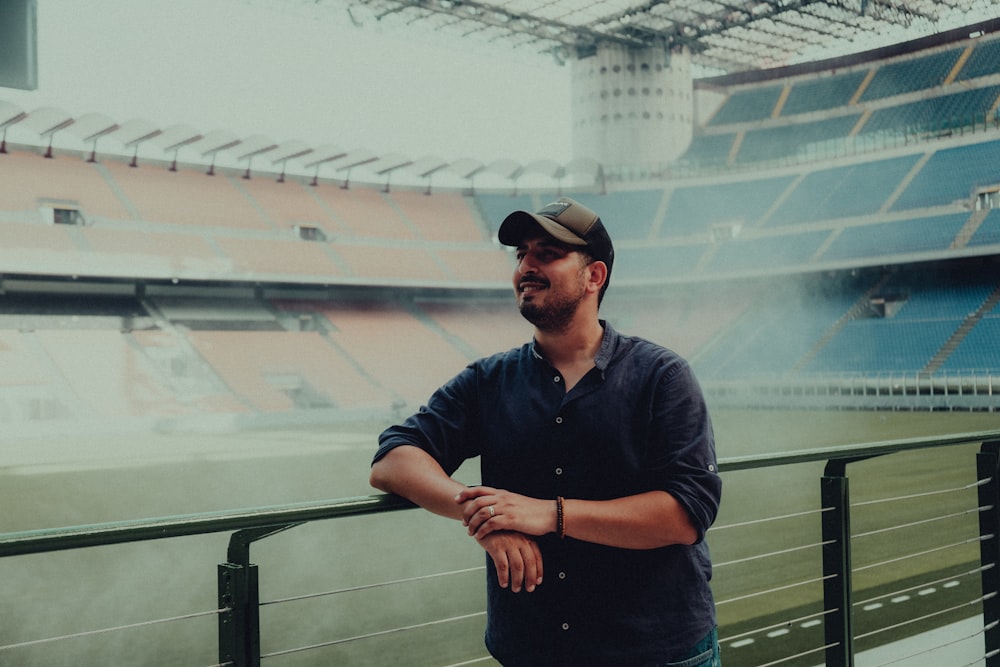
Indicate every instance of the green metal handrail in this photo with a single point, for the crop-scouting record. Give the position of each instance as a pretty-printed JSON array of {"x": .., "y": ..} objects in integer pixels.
[
  {"x": 139, "y": 530},
  {"x": 238, "y": 587}
]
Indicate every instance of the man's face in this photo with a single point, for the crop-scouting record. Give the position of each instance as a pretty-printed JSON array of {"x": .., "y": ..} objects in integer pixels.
[{"x": 550, "y": 281}]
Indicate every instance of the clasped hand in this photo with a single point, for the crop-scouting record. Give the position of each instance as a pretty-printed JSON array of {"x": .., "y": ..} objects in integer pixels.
[{"x": 503, "y": 523}]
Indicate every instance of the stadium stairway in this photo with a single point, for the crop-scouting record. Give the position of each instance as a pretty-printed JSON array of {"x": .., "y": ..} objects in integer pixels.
[{"x": 956, "y": 338}]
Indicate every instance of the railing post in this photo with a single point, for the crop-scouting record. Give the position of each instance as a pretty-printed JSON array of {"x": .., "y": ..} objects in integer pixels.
[
  {"x": 987, "y": 467},
  {"x": 239, "y": 625},
  {"x": 837, "y": 594},
  {"x": 239, "y": 595}
]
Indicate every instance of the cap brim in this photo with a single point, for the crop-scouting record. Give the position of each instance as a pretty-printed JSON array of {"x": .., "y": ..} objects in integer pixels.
[{"x": 517, "y": 225}]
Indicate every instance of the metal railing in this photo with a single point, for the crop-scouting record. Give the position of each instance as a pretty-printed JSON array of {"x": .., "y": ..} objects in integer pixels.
[
  {"x": 956, "y": 391},
  {"x": 787, "y": 578}
]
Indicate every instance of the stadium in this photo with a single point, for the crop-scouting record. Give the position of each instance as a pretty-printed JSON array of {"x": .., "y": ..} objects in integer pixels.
[{"x": 202, "y": 334}]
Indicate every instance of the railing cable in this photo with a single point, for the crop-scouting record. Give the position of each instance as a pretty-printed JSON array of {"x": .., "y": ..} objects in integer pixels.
[
  {"x": 775, "y": 589},
  {"x": 799, "y": 655},
  {"x": 978, "y": 570},
  {"x": 939, "y": 612},
  {"x": 924, "y": 494},
  {"x": 954, "y": 515},
  {"x": 971, "y": 540},
  {"x": 101, "y": 631},
  {"x": 770, "y": 554},
  {"x": 371, "y": 635},
  {"x": 382, "y": 584},
  {"x": 782, "y": 624},
  {"x": 754, "y": 522}
]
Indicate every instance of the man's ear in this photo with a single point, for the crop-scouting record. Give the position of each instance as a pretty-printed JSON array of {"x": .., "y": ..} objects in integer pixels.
[{"x": 598, "y": 272}]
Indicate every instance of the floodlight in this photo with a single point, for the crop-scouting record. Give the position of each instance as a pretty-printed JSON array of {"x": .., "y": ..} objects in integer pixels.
[{"x": 19, "y": 44}]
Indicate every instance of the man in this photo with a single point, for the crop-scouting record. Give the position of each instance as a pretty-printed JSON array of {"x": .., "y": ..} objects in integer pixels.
[{"x": 598, "y": 470}]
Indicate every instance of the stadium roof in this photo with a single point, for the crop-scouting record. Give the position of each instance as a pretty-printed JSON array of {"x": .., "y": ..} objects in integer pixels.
[{"x": 725, "y": 36}]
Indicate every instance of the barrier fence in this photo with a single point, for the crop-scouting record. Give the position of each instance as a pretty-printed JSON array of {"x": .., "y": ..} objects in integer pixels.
[
  {"x": 973, "y": 392},
  {"x": 808, "y": 570}
]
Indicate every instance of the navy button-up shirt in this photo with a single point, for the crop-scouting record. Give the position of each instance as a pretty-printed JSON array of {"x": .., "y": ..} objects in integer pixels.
[{"x": 636, "y": 422}]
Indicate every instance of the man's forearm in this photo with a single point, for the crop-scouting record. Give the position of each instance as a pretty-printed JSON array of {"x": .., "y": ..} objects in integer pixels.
[
  {"x": 412, "y": 473},
  {"x": 645, "y": 521}
]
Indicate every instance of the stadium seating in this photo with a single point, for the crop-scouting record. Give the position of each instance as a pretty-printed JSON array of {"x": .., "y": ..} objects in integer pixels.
[
  {"x": 911, "y": 74},
  {"x": 765, "y": 268},
  {"x": 981, "y": 62},
  {"x": 748, "y": 104},
  {"x": 822, "y": 94},
  {"x": 841, "y": 192},
  {"x": 947, "y": 175}
]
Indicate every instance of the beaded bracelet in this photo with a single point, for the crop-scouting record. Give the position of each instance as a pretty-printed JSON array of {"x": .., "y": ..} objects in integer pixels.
[{"x": 560, "y": 523}]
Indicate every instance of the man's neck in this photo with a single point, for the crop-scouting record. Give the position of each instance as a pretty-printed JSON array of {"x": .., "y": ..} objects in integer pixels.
[{"x": 576, "y": 346}]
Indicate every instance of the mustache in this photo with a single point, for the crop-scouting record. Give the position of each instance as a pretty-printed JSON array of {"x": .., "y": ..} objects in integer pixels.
[{"x": 532, "y": 280}]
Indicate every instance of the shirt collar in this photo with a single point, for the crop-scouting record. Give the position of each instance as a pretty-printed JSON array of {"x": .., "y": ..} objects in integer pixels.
[{"x": 609, "y": 343}]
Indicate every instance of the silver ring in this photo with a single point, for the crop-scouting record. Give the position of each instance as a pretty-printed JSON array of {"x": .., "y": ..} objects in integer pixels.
[{"x": 493, "y": 512}]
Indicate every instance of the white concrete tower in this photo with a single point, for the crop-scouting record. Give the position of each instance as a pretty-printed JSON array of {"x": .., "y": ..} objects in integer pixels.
[{"x": 632, "y": 108}]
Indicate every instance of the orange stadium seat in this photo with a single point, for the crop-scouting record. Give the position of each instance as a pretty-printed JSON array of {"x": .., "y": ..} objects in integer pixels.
[
  {"x": 443, "y": 216},
  {"x": 364, "y": 212},
  {"x": 291, "y": 203},
  {"x": 485, "y": 327},
  {"x": 207, "y": 201},
  {"x": 403, "y": 354},
  {"x": 26, "y": 179},
  {"x": 263, "y": 368}
]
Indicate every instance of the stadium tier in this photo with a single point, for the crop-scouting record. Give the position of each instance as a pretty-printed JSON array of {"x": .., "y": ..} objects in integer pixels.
[
  {"x": 858, "y": 108},
  {"x": 208, "y": 290}
]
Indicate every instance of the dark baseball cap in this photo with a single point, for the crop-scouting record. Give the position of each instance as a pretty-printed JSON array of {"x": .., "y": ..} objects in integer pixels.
[{"x": 565, "y": 220}]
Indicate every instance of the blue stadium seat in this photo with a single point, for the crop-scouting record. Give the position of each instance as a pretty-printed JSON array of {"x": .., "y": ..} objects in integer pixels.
[
  {"x": 820, "y": 94},
  {"x": 978, "y": 351},
  {"x": 709, "y": 150},
  {"x": 949, "y": 175},
  {"x": 775, "y": 143},
  {"x": 762, "y": 253},
  {"x": 841, "y": 192},
  {"x": 947, "y": 112},
  {"x": 912, "y": 74},
  {"x": 628, "y": 215},
  {"x": 989, "y": 231},
  {"x": 985, "y": 60},
  {"x": 654, "y": 264},
  {"x": 882, "y": 346},
  {"x": 896, "y": 238},
  {"x": 693, "y": 209},
  {"x": 748, "y": 104}
]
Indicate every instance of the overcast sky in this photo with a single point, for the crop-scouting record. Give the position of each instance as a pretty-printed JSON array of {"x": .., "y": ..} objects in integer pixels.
[{"x": 227, "y": 64}]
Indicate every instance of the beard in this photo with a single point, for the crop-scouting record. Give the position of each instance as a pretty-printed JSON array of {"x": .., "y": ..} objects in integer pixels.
[{"x": 555, "y": 314}]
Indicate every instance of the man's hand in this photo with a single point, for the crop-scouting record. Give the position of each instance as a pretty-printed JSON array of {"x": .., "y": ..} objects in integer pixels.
[
  {"x": 486, "y": 510},
  {"x": 517, "y": 559}
]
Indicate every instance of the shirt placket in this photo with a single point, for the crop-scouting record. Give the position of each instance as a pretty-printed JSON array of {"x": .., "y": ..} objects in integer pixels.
[{"x": 561, "y": 478}]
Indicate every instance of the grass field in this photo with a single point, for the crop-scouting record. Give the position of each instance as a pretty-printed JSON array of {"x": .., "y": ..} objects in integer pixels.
[{"x": 82, "y": 479}]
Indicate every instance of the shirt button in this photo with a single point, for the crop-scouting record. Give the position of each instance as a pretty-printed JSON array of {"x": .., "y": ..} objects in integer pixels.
[
  {"x": 558, "y": 471},
  {"x": 565, "y": 626},
  {"x": 559, "y": 420},
  {"x": 562, "y": 575},
  {"x": 557, "y": 379}
]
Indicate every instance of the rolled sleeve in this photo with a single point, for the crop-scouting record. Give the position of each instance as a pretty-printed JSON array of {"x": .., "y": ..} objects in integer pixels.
[
  {"x": 682, "y": 446},
  {"x": 442, "y": 427}
]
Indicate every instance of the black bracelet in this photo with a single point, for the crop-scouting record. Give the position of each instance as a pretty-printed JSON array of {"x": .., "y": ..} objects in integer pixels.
[{"x": 560, "y": 523}]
